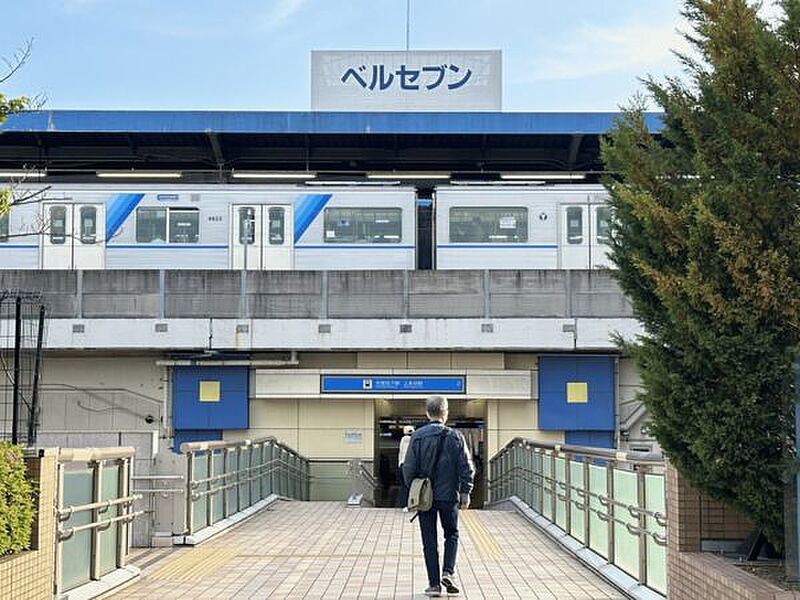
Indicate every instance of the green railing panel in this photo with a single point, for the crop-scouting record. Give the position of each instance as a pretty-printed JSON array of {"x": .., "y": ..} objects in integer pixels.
[
  {"x": 77, "y": 550},
  {"x": 598, "y": 529},
  {"x": 656, "y": 554},
  {"x": 109, "y": 490},
  {"x": 255, "y": 474},
  {"x": 232, "y": 493},
  {"x": 547, "y": 486},
  {"x": 199, "y": 507},
  {"x": 626, "y": 544},
  {"x": 244, "y": 473},
  {"x": 561, "y": 503},
  {"x": 267, "y": 475},
  {"x": 217, "y": 508},
  {"x": 536, "y": 476},
  {"x": 577, "y": 516}
]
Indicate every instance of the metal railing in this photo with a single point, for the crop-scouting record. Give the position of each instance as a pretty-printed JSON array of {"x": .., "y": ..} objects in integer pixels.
[
  {"x": 362, "y": 483},
  {"x": 224, "y": 478},
  {"x": 95, "y": 507},
  {"x": 611, "y": 502}
]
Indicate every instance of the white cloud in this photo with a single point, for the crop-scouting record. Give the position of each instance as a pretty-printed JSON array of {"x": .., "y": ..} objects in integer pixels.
[
  {"x": 770, "y": 10},
  {"x": 593, "y": 50},
  {"x": 282, "y": 11}
]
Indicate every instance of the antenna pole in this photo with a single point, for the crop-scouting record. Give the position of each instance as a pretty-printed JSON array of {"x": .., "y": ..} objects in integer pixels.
[{"x": 408, "y": 25}]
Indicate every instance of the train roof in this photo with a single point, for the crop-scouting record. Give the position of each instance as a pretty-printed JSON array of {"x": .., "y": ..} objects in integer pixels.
[{"x": 209, "y": 145}]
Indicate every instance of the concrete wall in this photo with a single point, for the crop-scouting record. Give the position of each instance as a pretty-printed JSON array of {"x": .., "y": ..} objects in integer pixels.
[{"x": 324, "y": 295}]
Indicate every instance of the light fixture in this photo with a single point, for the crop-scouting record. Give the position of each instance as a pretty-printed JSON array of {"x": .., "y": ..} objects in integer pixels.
[
  {"x": 300, "y": 175},
  {"x": 22, "y": 173},
  {"x": 132, "y": 174},
  {"x": 539, "y": 176},
  {"x": 350, "y": 182},
  {"x": 401, "y": 175}
]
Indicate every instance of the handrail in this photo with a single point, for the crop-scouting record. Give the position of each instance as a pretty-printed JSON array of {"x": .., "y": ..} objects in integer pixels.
[
  {"x": 116, "y": 505},
  {"x": 68, "y": 455},
  {"x": 222, "y": 444},
  {"x": 217, "y": 486},
  {"x": 66, "y": 512},
  {"x": 629, "y": 456},
  {"x": 604, "y": 499}
]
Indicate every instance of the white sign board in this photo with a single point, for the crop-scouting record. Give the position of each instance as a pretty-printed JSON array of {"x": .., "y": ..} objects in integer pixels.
[{"x": 418, "y": 80}]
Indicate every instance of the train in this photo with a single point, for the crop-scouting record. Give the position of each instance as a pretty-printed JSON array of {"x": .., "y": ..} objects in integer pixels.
[{"x": 273, "y": 227}]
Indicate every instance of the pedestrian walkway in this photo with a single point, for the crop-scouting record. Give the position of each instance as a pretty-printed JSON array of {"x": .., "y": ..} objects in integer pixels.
[{"x": 324, "y": 550}]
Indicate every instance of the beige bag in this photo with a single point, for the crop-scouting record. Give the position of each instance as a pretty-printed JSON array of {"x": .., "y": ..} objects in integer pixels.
[
  {"x": 420, "y": 492},
  {"x": 420, "y": 495}
]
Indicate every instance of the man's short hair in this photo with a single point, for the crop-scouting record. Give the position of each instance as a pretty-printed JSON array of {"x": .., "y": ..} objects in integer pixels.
[{"x": 436, "y": 406}]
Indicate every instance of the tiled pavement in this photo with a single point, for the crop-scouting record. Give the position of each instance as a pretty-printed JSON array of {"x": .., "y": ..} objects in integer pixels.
[{"x": 323, "y": 550}]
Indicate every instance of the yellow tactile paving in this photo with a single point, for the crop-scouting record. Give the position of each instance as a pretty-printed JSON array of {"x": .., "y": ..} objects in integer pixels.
[
  {"x": 201, "y": 562},
  {"x": 323, "y": 550}
]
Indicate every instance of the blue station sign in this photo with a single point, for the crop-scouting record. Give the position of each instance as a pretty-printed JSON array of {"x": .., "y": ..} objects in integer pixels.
[{"x": 392, "y": 384}]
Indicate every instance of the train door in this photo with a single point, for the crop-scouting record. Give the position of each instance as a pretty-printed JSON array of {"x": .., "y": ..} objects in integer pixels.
[
  {"x": 246, "y": 237},
  {"x": 73, "y": 236},
  {"x": 599, "y": 225},
  {"x": 278, "y": 238},
  {"x": 574, "y": 239}
]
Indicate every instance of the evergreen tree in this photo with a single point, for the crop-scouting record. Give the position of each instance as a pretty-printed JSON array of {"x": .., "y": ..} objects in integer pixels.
[{"x": 707, "y": 246}]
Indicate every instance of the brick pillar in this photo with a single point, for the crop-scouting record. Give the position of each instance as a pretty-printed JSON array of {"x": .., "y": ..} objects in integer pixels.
[{"x": 683, "y": 514}]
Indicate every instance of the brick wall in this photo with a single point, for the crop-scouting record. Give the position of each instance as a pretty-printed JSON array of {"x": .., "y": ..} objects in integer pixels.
[
  {"x": 30, "y": 575},
  {"x": 692, "y": 574}
]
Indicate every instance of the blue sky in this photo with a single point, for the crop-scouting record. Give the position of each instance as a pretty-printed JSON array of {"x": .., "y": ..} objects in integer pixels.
[{"x": 248, "y": 54}]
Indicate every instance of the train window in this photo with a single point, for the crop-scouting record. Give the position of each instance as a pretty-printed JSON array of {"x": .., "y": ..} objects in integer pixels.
[
  {"x": 276, "y": 226},
  {"x": 484, "y": 225},
  {"x": 88, "y": 216},
  {"x": 58, "y": 225},
  {"x": 247, "y": 225},
  {"x": 184, "y": 225},
  {"x": 574, "y": 224},
  {"x": 603, "y": 224},
  {"x": 363, "y": 225},
  {"x": 151, "y": 225},
  {"x": 4, "y": 227}
]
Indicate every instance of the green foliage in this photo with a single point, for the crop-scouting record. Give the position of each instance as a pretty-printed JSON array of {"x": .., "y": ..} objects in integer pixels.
[
  {"x": 17, "y": 508},
  {"x": 707, "y": 246}
]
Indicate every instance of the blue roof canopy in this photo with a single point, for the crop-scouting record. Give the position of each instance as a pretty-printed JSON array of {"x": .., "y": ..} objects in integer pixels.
[{"x": 287, "y": 122}]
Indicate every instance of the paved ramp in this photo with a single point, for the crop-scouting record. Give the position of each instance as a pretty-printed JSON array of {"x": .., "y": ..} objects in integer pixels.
[{"x": 321, "y": 550}]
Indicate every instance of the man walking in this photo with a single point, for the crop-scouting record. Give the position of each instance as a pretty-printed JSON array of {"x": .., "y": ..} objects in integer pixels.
[{"x": 452, "y": 483}]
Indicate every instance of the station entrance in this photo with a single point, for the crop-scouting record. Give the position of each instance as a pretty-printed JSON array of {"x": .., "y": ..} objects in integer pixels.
[{"x": 466, "y": 416}]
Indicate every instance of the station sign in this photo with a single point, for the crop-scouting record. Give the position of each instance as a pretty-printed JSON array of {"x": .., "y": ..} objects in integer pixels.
[
  {"x": 392, "y": 384},
  {"x": 416, "y": 80}
]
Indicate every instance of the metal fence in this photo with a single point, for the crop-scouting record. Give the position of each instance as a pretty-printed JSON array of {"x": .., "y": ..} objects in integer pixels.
[
  {"x": 225, "y": 478},
  {"x": 611, "y": 502},
  {"x": 22, "y": 319},
  {"x": 94, "y": 509}
]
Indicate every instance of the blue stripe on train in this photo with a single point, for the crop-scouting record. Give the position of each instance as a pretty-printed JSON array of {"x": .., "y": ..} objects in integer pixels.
[
  {"x": 118, "y": 208},
  {"x": 306, "y": 209}
]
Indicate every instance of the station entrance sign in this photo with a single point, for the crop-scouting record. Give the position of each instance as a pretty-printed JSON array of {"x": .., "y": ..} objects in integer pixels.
[
  {"x": 417, "y": 80},
  {"x": 392, "y": 384}
]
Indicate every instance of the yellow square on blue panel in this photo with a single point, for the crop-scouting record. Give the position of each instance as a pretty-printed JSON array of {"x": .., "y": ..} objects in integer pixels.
[
  {"x": 577, "y": 392},
  {"x": 209, "y": 391}
]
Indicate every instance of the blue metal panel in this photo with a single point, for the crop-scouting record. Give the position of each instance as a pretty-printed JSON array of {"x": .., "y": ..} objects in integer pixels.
[
  {"x": 338, "y": 384},
  {"x": 593, "y": 439},
  {"x": 281, "y": 122},
  {"x": 555, "y": 413},
  {"x": 230, "y": 412},
  {"x": 194, "y": 435}
]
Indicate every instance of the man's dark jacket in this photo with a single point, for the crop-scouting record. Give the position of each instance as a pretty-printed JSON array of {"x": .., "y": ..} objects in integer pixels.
[{"x": 455, "y": 471}]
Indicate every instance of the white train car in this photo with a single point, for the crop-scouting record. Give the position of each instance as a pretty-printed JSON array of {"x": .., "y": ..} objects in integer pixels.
[
  {"x": 525, "y": 227},
  {"x": 89, "y": 226}
]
